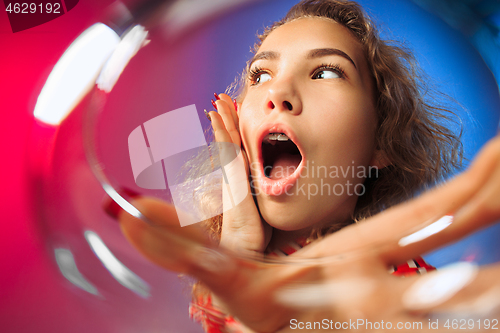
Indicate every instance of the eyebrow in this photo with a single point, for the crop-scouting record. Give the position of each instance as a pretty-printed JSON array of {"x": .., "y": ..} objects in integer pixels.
[
  {"x": 266, "y": 55},
  {"x": 315, "y": 53},
  {"x": 318, "y": 53}
]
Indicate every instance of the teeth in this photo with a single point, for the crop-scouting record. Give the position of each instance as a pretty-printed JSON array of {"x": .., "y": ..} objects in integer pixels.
[
  {"x": 273, "y": 137},
  {"x": 282, "y": 137}
]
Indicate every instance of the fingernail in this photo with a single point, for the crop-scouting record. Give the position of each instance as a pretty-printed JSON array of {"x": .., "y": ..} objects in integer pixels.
[
  {"x": 436, "y": 288},
  {"x": 112, "y": 208},
  {"x": 215, "y": 105},
  {"x": 216, "y": 96},
  {"x": 235, "y": 105},
  {"x": 207, "y": 115}
]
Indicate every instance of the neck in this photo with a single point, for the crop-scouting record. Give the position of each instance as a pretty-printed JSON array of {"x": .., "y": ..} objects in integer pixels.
[{"x": 283, "y": 237}]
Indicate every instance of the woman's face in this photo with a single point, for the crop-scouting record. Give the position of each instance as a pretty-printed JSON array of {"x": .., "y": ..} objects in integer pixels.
[{"x": 308, "y": 124}]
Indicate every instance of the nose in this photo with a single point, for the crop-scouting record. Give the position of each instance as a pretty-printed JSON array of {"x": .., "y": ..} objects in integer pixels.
[{"x": 283, "y": 96}]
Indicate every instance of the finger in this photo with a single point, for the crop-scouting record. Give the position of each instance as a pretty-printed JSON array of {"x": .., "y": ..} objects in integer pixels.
[
  {"x": 220, "y": 132},
  {"x": 229, "y": 123},
  {"x": 460, "y": 288},
  {"x": 484, "y": 207},
  {"x": 235, "y": 116},
  {"x": 479, "y": 205},
  {"x": 228, "y": 151},
  {"x": 233, "y": 165},
  {"x": 230, "y": 102},
  {"x": 382, "y": 233}
]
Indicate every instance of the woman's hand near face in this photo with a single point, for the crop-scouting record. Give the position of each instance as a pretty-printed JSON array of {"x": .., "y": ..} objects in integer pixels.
[{"x": 243, "y": 230}]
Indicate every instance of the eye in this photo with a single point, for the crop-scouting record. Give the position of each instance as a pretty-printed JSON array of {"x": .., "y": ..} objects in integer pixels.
[
  {"x": 258, "y": 76},
  {"x": 263, "y": 77},
  {"x": 328, "y": 72}
]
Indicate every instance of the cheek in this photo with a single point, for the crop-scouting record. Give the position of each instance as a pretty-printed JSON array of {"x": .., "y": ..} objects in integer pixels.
[
  {"x": 361, "y": 135},
  {"x": 351, "y": 119},
  {"x": 350, "y": 133}
]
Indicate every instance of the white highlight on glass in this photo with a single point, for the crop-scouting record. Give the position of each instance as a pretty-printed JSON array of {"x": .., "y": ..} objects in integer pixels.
[
  {"x": 130, "y": 44},
  {"x": 122, "y": 202},
  {"x": 120, "y": 272},
  {"x": 75, "y": 73},
  {"x": 67, "y": 266},
  {"x": 436, "y": 288},
  {"x": 428, "y": 231}
]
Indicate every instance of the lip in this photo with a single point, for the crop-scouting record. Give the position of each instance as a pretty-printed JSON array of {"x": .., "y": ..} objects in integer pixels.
[{"x": 281, "y": 186}]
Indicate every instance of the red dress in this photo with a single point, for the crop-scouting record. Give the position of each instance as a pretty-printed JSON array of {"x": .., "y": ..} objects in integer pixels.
[{"x": 202, "y": 311}]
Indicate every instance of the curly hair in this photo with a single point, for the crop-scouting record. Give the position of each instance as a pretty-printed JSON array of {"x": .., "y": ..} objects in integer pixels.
[{"x": 410, "y": 130}]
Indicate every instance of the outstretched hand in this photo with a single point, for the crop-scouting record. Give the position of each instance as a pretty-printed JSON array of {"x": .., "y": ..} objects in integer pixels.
[{"x": 343, "y": 278}]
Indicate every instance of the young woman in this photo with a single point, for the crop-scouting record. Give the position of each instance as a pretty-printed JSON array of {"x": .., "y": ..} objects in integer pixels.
[
  {"x": 334, "y": 128},
  {"x": 333, "y": 125}
]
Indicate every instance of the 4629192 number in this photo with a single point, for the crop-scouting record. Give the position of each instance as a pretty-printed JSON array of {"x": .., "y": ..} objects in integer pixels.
[
  {"x": 32, "y": 8},
  {"x": 471, "y": 324}
]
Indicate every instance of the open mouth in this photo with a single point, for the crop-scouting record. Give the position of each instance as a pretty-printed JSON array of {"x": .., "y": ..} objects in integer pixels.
[{"x": 281, "y": 156}]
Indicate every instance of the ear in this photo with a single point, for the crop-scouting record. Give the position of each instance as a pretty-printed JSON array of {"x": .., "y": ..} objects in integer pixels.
[{"x": 380, "y": 159}]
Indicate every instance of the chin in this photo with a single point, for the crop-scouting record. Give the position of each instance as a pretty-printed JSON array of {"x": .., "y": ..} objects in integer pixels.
[
  {"x": 286, "y": 216},
  {"x": 294, "y": 215}
]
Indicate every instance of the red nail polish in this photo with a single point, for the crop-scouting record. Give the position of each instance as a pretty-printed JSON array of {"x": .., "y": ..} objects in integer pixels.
[
  {"x": 235, "y": 105},
  {"x": 130, "y": 193},
  {"x": 216, "y": 97},
  {"x": 215, "y": 105},
  {"x": 112, "y": 208}
]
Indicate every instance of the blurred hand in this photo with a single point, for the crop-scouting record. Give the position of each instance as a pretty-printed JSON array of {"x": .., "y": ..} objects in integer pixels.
[{"x": 343, "y": 278}]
